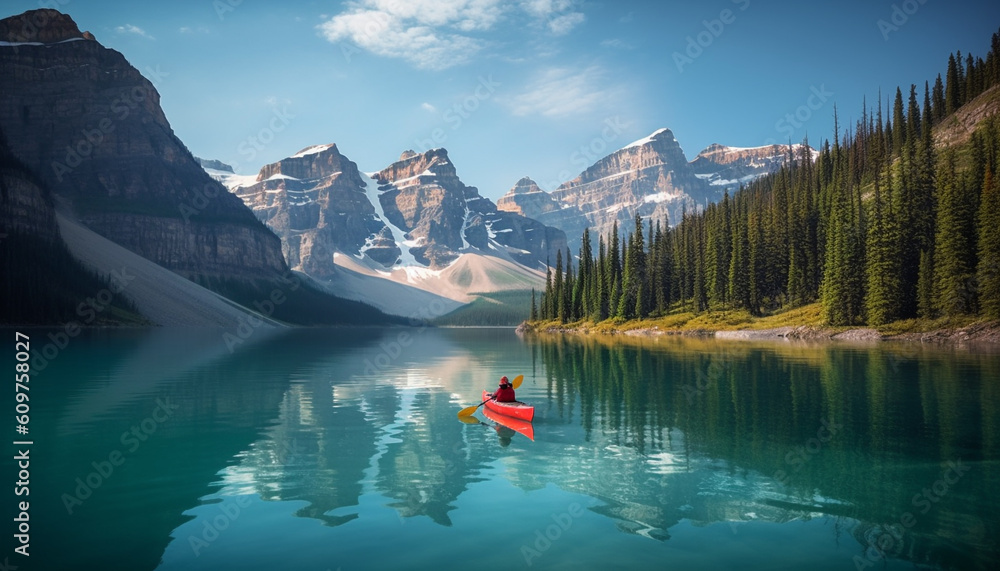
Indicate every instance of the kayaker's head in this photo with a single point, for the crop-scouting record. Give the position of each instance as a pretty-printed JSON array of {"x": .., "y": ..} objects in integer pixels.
[{"x": 504, "y": 381}]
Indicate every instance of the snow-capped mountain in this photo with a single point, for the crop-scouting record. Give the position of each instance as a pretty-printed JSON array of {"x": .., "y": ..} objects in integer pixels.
[
  {"x": 650, "y": 177},
  {"x": 729, "y": 167},
  {"x": 422, "y": 195},
  {"x": 316, "y": 202},
  {"x": 414, "y": 223}
]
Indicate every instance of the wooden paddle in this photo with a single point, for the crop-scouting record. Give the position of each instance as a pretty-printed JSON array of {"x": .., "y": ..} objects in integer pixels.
[{"x": 470, "y": 410}]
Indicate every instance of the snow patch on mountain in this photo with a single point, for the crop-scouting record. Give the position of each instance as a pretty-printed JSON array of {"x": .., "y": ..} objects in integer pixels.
[
  {"x": 645, "y": 140},
  {"x": 406, "y": 258},
  {"x": 311, "y": 151}
]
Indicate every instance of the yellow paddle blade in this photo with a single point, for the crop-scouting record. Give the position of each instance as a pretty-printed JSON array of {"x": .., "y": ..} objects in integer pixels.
[
  {"x": 517, "y": 381},
  {"x": 468, "y": 419},
  {"x": 468, "y": 411}
]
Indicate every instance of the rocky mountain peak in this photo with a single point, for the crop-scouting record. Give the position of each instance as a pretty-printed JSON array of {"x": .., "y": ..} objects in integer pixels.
[
  {"x": 721, "y": 154},
  {"x": 659, "y": 149},
  {"x": 422, "y": 196},
  {"x": 44, "y": 26},
  {"x": 528, "y": 199},
  {"x": 728, "y": 167},
  {"x": 412, "y": 166},
  {"x": 650, "y": 177},
  {"x": 525, "y": 186},
  {"x": 312, "y": 162},
  {"x": 715, "y": 149},
  {"x": 316, "y": 201}
]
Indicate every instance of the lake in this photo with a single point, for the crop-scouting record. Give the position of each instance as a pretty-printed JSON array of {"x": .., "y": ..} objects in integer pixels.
[{"x": 340, "y": 449}]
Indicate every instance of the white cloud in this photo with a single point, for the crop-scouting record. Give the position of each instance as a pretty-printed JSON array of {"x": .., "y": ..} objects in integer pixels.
[
  {"x": 428, "y": 107},
  {"x": 560, "y": 92},
  {"x": 562, "y": 25},
  {"x": 559, "y": 14},
  {"x": 136, "y": 30},
  {"x": 436, "y": 34},
  {"x": 546, "y": 8},
  {"x": 391, "y": 35},
  {"x": 431, "y": 34}
]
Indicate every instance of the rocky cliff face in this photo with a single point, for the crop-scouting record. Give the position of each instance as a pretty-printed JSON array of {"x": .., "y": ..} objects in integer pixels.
[
  {"x": 316, "y": 202},
  {"x": 91, "y": 126},
  {"x": 25, "y": 206},
  {"x": 650, "y": 177},
  {"x": 422, "y": 196},
  {"x": 729, "y": 167},
  {"x": 528, "y": 199}
]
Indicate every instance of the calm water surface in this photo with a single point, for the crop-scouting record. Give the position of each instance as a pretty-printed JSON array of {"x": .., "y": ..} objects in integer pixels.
[{"x": 341, "y": 450}]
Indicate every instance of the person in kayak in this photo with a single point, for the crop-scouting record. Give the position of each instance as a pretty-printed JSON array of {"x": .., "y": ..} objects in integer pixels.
[{"x": 505, "y": 393}]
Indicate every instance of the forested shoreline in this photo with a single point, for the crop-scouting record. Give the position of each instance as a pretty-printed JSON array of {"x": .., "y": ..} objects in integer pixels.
[{"x": 891, "y": 221}]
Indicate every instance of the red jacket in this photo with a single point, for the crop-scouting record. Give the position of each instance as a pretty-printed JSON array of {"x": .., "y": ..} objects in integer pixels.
[{"x": 504, "y": 394}]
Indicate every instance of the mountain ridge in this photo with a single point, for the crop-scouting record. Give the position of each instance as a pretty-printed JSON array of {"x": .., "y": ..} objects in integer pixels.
[{"x": 650, "y": 177}]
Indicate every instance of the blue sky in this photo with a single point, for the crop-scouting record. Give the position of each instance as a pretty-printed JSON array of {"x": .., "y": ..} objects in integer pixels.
[{"x": 538, "y": 88}]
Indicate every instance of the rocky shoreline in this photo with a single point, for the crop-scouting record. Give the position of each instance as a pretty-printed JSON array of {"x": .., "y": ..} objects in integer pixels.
[{"x": 978, "y": 333}]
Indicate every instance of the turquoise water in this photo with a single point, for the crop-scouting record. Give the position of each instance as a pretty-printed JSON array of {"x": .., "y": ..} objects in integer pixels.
[{"x": 340, "y": 449}]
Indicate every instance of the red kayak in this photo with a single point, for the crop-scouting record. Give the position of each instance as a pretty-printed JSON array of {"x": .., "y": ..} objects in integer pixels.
[
  {"x": 516, "y": 409},
  {"x": 516, "y": 424}
]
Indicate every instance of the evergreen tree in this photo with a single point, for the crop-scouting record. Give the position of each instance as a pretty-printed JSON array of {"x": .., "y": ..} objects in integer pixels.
[
  {"x": 614, "y": 270},
  {"x": 960, "y": 83},
  {"x": 757, "y": 255},
  {"x": 913, "y": 122},
  {"x": 626, "y": 299},
  {"x": 699, "y": 291},
  {"x": 547, "y": 295},
  {"x": 938, "y": 100},
  {"x": 925, "y": 285},
  {"x": 603, "y": 282},
  {"x": 661, "y": 270},
  {"x": 954, "y": 253},
  {"x": 582, "y": 303},
  {"x": 569, "y": 284},
  {"x": 843, "y": 272},
  {"x": 558, "y": 293},
  {"x": 971, "y": 79},
  {"x": 638, "y": 251},
  {"x": 720, "y": 241},
  {"x": 882, "y": 297},
  {"x": 533, "y": 316},
  {"x": 924, "y": 208},
  {"x": 952, "y": 93},
  {"x": 988, "y": 271},
  {"x": 898, "y": 123},
  {"x": 739, "y": 262}
]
